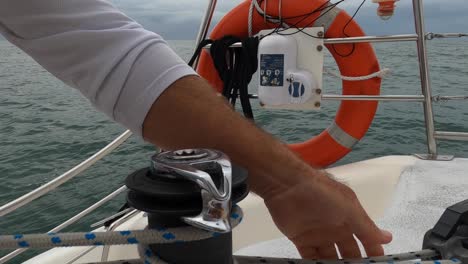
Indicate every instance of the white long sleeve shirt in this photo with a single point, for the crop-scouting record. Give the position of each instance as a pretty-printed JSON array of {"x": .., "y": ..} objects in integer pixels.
[{"x": 92, "y": 46}]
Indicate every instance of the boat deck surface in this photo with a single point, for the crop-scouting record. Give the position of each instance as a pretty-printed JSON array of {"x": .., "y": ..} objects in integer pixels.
[{"x": 421, "y": 194}]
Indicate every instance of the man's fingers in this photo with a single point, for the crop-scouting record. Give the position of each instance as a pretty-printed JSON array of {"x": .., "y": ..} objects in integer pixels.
[
  {"x": 327, "y": 252},
  {"x": 367, "y": 231},
  {"x": 371, "y": 237},
  {"x": 374, "y": 235},
  {"x": 374, "y": 250},
  {"x": 373, "y": 240},
  {"x": 349, "y": 248},
  {"x": 308, "y": 253},
  {"x": 317, "y": 237}
]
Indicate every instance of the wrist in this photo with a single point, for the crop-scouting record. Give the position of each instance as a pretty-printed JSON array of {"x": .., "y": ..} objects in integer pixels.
[{"x": 281, "y": 177}]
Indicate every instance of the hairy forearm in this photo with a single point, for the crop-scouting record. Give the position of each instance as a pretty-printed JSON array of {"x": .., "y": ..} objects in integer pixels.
[
  {"x": 190, "y": 114},
  {"x": 305, "y": 204}
]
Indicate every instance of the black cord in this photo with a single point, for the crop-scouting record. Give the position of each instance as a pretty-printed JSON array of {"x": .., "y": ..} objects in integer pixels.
[
  {"x": 297, "y": 16},
  {"x": 328, "y": 6},
  {"x": 354, "y": 15},
  {"x": 324, "y": 6},
  {"x": 197, "y": 52},
  {"x": 346, "y": 35},
  {"x": 235, "y": 67}
]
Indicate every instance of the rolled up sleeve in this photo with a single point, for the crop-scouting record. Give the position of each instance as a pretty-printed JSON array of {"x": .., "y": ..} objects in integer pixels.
[{"x": 93, "y": 47}]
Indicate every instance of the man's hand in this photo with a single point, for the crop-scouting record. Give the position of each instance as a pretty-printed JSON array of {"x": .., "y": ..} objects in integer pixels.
[
  {"x": 319, "y": 213},
  {"x": 309, "y": 208}
]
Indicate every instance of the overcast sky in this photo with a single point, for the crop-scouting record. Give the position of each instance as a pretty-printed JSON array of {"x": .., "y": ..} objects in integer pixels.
[{"x": 180, "y": 19}]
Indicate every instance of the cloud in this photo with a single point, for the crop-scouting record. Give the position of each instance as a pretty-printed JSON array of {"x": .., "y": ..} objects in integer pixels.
[
  {"x": 180, "y": 19},
  {"x": 176, "y": 19},
  {"x": 439, "y": 17}
]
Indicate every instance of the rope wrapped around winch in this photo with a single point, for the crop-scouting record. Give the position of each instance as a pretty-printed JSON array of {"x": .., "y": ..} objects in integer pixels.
[
  {"x": 150, "y": 236},
  {"x": 180, "y": 235},
  {"x": 142, "y": 238}
]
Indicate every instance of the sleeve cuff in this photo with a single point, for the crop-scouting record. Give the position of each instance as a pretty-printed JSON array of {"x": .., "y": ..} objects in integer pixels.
[{"x": 132, "y": 113}]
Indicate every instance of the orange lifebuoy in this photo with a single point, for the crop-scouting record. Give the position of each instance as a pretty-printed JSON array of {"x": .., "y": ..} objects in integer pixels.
[{"x": 353, "y": 117}]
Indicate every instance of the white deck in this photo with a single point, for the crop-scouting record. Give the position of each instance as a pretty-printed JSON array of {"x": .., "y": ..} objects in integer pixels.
[
  {"x": 403, "y": 194},
  {"x": 416, "y": 200}
]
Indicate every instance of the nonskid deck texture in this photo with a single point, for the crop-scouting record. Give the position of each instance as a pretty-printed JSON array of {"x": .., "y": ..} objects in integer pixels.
[
  {"x": 421, "y": 196},
  {"x": 424, "y": 190}
]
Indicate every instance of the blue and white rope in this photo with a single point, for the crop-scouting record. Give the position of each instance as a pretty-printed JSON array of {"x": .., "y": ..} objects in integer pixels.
[
  {"x": 151, "y": 236},
  {"x": 148, "y": 256}
]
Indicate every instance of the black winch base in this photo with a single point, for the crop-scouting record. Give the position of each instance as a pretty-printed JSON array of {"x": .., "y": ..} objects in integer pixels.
[
  {"x": 166, "y": 200},
  {"x": 215, "y": 250}
]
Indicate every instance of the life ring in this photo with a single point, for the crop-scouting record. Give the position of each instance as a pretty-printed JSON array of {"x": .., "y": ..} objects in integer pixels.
[{"x": 353, "y": 118}]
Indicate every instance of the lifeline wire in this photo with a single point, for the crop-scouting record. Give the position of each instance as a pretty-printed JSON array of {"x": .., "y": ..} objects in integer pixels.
[{"x": 344, "y": 33}]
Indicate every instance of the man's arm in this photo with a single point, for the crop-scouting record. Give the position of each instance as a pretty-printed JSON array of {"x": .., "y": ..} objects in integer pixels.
[
  {"x": 190, "y": 114},
  {"x": 311, "y": 209}
]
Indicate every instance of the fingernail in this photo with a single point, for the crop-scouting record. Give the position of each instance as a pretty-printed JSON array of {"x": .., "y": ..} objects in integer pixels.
[{"x": 387, "y": 235}]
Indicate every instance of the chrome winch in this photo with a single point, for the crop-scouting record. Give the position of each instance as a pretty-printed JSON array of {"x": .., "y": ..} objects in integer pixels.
[{"x": 196, "y": 187}]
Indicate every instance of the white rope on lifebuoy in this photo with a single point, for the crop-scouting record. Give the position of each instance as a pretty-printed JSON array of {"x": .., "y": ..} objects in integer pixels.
[
  {"x": 380, "y": 74},
  {"x": 254, "y": 4}
]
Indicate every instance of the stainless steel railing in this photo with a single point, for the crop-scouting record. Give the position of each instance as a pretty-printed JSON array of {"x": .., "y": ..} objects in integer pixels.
[
  {"x": 426, "y": 98},
  {"x": 424, "y": 74},
  {"x": 205, "y": 25},
  {"x": 70, "y": 221},
  {"x": 377, "y": 39},
  {"x": 451, "y": 135},
  {"x": 46, "y": 188}
]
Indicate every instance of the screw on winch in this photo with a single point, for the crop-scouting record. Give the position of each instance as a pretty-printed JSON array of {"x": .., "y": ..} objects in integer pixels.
[{"x": 195, "y": 187}]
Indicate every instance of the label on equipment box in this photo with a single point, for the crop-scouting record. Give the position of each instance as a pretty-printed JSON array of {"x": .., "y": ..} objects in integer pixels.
[{"x": 271, "y": 69}]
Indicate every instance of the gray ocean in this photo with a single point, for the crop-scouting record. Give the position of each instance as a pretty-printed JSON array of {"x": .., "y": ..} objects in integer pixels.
[{"x": 46, "y": 128}]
